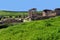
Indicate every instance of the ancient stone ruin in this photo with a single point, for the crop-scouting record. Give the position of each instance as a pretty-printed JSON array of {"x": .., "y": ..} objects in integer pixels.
[
  {"x": 57, "y": 10},
  {"x": 47, "y": 13}
]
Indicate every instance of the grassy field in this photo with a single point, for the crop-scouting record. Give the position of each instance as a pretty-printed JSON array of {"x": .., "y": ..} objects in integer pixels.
[
  {"x": 48, "y": 29},
  {"x": 12, "y": 13}
]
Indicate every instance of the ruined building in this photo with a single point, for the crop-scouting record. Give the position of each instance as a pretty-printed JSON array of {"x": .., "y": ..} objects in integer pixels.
[
  {"x": 48, "y": 13},
  {"x": 34, "y": 15},
  {"x": 57, "y": 10}
]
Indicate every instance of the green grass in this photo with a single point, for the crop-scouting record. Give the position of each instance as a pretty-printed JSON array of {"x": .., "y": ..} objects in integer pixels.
[
  {"x": 48, "y": 29},
  {"x": 12, "y": 13}
]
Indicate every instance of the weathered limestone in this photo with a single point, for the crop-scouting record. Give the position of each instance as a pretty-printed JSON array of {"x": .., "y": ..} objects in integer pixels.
[
  {"x": 47, "y": 12},
  {"x": 57, "y": 10},
  {"x": 32, "y": 12}
]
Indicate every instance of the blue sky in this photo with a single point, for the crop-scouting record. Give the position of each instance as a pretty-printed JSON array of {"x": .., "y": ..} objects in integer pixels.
[{"x": 24, "y": 5}]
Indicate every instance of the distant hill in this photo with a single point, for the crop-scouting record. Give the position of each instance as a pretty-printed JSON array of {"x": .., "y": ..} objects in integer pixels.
[
  {"x": 48, "y": 29},
  {"x": 13, "y": 11},
  {"x": 4, "y": 12}
]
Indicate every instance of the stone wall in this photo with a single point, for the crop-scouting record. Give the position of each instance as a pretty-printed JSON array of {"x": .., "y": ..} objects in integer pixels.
[{"x": 57, "y": 10}]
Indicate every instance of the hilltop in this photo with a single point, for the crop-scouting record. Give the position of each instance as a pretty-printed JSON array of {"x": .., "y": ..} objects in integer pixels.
[
  {"x": 12, "y": 13},
  {"x": 48, "y": 29}
]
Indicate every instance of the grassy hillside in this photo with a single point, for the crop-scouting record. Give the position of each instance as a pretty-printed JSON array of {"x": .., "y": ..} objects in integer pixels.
[
  {"x": 48, "y": 29},
  {"x": 12, "y": 13}
]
